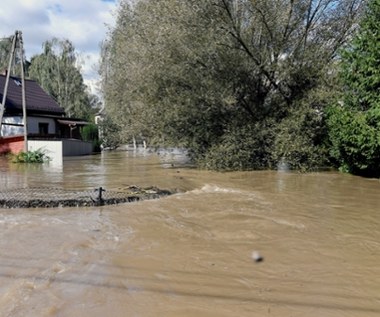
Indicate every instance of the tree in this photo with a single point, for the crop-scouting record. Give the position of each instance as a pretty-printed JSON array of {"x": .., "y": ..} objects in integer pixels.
[
  {"x": 220, "y": 76},
  {"x": 57, "y": 72},
  {"x": 5, "y": 54},
  {"x": 5, "y": 48},
  {"x": 361, "y": 60},
  {"x": 354, "y": 122}
]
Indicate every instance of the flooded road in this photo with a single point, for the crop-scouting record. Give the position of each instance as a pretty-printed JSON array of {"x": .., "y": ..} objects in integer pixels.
[{"x": 190, "y": 254}]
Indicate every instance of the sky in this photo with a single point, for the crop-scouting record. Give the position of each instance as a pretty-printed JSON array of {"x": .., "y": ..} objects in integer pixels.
[{"x": 84, "y": 22}]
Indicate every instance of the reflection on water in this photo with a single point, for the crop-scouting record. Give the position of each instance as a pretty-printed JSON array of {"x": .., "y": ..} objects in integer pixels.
[
  {"x": 86, "y": 172},
  {"x": 190, "y": 254}
]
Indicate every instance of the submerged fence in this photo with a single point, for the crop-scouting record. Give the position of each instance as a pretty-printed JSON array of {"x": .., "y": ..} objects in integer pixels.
[{"x": 46, "y": 197}]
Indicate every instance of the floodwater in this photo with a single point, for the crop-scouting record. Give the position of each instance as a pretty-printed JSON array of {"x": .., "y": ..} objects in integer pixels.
[{"x": 190, "y": 254}]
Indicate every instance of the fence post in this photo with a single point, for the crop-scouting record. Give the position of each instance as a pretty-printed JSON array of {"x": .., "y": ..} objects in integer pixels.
[{"x": 100, "y": 198}]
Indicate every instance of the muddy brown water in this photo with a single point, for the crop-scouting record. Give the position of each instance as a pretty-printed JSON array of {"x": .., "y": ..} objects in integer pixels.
[{"x": 190, "y": 254}]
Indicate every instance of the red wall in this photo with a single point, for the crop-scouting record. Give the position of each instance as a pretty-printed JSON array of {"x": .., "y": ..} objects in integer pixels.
[{"x": 11, "y": 144}]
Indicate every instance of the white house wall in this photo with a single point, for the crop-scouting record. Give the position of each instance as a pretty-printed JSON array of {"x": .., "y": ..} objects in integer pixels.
[
  {"x": 32, "y": 122},
  {"x": 56, "y": 150},
  {"x": 53, "y": 149}
]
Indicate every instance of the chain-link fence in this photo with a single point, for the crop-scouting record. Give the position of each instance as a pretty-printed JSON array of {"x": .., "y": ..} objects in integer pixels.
[{"x": 45, "y": 197}]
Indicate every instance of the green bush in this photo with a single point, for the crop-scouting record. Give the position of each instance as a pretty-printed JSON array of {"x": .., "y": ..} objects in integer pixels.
[
  {"x": 355, "y": 139},
  {"x": 300, "y": 140},
  {"x": 37, "y": 156},
  {"x": 90, "y": 133},
  {"x": 110, "y": 133},
  {"x": 241, "y": 148}
]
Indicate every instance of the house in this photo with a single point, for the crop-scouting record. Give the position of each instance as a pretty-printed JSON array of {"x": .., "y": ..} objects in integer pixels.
[{"x": 46, "y": 121}]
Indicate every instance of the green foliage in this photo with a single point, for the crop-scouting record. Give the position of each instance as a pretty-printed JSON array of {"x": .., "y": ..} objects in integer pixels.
[
  {"x": 37, "y": 156},
  {"x": 90, "y": 133},
  {"x": 223, "y": 78},
  {"x": 109, "y": 133},
  {"x": 5, "y": 50},
  {"x": 301, "y": 137},
  {"x": 57, "y": 72},
  {"x": 242, "y": 148},
  {"x": 361, "y": 62},
  {"x": 5, "y": 54},
  {"x": 355, "y": 137},
  {"x": 354, "y": 124}
]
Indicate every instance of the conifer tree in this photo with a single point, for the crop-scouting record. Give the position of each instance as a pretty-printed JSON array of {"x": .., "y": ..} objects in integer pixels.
[
  {"x": 361, "y": 66},
  {"x": 355, "y": 123}
]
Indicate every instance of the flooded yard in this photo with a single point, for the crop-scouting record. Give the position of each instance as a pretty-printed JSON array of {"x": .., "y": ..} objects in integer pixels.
[{"x": 190, "y": 254}]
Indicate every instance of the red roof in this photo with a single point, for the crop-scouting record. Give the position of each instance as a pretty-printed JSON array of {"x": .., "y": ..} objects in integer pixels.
[{"x": 37, "y": 100}]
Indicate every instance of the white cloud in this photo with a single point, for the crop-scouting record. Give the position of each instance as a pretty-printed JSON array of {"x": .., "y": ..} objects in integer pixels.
[{"x": 83, "y": 22}]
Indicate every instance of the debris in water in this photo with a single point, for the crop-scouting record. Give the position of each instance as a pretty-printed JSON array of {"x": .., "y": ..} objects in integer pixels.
[{"x": 257, "y": 257}]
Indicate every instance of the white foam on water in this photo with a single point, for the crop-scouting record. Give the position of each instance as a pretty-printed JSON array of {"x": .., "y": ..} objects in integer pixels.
[
  {"x": 209, "y": 188},
  {"x": 215, "y": 189}
]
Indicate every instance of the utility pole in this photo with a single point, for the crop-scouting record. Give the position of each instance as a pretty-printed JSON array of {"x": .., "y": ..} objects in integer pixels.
[
  {"x": 17, "y": 39},
  {"x": 24, "y": 117},
  {"x": 11, "y": 59}
]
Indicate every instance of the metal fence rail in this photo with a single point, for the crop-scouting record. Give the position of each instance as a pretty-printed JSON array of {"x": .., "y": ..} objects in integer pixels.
[{"x": 46, "y": 197}]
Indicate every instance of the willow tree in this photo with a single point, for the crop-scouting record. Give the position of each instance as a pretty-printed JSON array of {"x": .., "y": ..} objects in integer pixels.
[
  {"x": 224, "y": 78},
  {"x": 144, "y": 65},
  {"x": 57, "y": 70}
]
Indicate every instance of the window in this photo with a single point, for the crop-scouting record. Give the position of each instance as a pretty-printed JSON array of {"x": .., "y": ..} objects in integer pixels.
[{"x": 43, "y": 128}]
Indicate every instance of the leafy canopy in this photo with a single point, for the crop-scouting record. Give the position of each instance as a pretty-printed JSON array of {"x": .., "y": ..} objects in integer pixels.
[
  {"x": 355, "y": 122},
  {"x": 224, "y": 77},
  {"x": 57, "y": 70}
]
